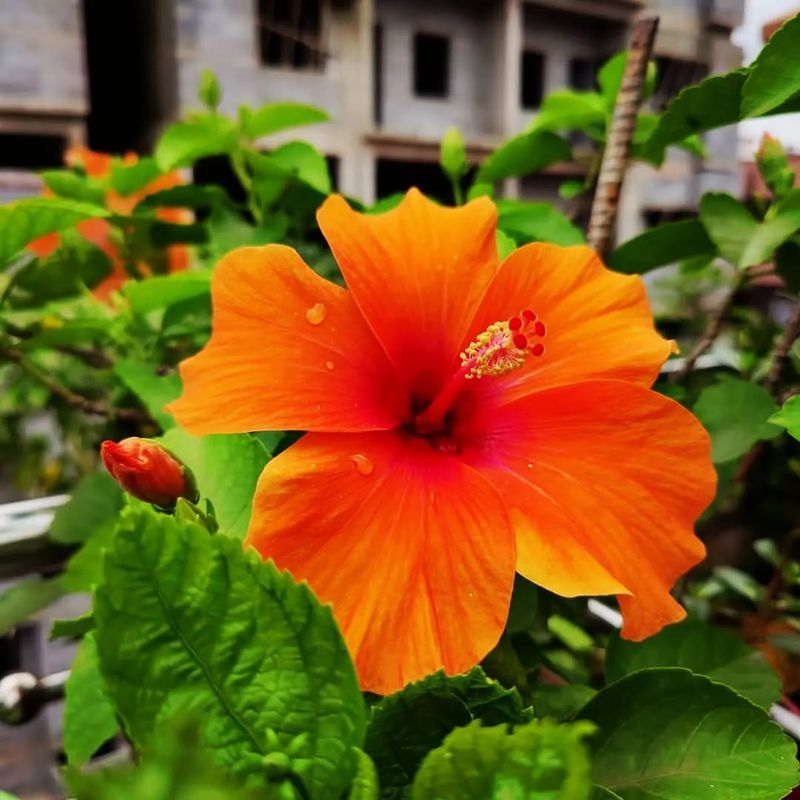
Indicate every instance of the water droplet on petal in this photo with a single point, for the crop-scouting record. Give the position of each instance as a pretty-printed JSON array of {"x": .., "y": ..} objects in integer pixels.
[
  {"x": 362, "y": 464},
  {"x": 329, "y": 364},
  {"x": 316, "y": 314},
  {"x": 530, "y": 466}
]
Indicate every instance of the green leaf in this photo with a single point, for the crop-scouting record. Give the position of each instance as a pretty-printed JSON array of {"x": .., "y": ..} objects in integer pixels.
[
  {"x": 275, "y": 117},
  {"x": 73, "y": 628},
  {"x": 89, "y": 717},
  {"x": 423, "y": 713},
  {"x": 526, "y": 153},
  {"x": 183, "y": 143},
  {"x": 505, "y": 244},
  {"x": 25, "y": 220},
  {"x": 716, "y": 653},
  {"x": 774, "y": 167},
  {"x": 740, "y": 583},
  {"x": 574, "y": 637},
  {"x": 365, "y": 783},
  {"x": 538, "y": 761},
  {"x": 560, "y": 702},
  {"x": 664, "y": 244},
  {"x": 736, "y": 413},
  {"x": 712, "y": 103},
  {"x": 187, "y": 621},
  {"x": 69, "y": 184},
  {"x": 154, "y": 390},
  {"x": 667, "y": 734},
  {"x": 601, "y": 793},
  {"x": 789, "y": 416},
  {"x": 524, "y": 607},
  {"x": 536, "y": 222},
  {"x": 162, "y": 291},
  {"x": 174, "y": 767},
  {"x": 209, "y": 93},
  {"x": 609, "y": 78},
  {"x": 453, "y": 154},
  {"x": 298, "y": 161},
  {"x": 775, "y": 75},
  {"x": 568, "y": 110},
  {"x": 226, "y": 468},
  {"x": 127, "y": 179},
  {"x": 188, "y": 196},
  {"x": 95, "y": 503},
  {"x": 26, "y": 598},
  {"x": 729, "y": 225}
]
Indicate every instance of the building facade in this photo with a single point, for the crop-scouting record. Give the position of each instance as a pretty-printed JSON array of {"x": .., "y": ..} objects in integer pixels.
[{"x": 393, "y": 74}]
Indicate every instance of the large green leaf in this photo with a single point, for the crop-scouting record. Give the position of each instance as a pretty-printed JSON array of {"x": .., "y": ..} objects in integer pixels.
[
  {"x": 789, "y": 416},
  {"x": 69, "y": 184},
  {"x": 668, "y": 734},
  {"x": 423, "y": 713},
  {"x": 538, "y": 761},
  {"x": 154, "y": 390},
  {"x": 95, "y": 503},
  {"x": 664, "y": 244},
  {"x": 707, "y": 650},
  {"x": 183, "y": 143},
  {"x": 26, "y": 598},
  {"x": 276, "y": 117},
  {"x": 89, "y": 717},
  {"x": 189, "y": 622},
  {"x": 226, "y": 468},
  {"x": 729, "y": 225},
  {"x": 736, "y": 413},
  {"x": 127, "y": 179},
  {"x": 26, "y": 220},
  {"x": 536, "y": 222},
  {"x": 526, "y": 153},
  {"x": 774, "y": 76}
]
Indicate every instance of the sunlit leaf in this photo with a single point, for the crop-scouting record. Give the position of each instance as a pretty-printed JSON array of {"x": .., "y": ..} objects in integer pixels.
[
  {"x": 190, "y": 622},
  {"x": 774, "y": 76},
  {"x": 226, "y": 468},
  {"x": 153, "y": 389},
  {"x": 536, "y": 222},
  {"x": 538, "y": 761},
  {"x": 522, "y": 155},
  {"x": 89, "y": 717},
  {"x": 789, "y": 416},
  {"x": 165, "y": 290},
  {"x": 275, "y": 117},
  {"x": 183, "y": 143}
]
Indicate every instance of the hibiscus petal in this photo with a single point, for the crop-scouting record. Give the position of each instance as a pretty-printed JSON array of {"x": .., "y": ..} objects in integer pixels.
[
  {"x": 413, "y": 548},
  {"x": 604, "y": 481},
  {"x": 599, "y": 324},
  {"x": 289, "y": 351},
  {"x": 418, "y": 273}
]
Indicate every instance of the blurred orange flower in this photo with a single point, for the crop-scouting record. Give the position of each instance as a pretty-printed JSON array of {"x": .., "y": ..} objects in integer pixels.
[
  {"x": 467, "y": 419},
  {"x": 98, "y": 231}
]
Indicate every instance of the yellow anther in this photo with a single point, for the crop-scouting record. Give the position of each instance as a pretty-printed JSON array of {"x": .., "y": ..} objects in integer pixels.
[{"x": 493, "y": 353}]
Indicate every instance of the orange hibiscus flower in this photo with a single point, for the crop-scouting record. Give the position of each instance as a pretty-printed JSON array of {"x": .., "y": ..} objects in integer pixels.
[
  {"x": 98, "y": 231},
  {"x": 466, "y": 419}
]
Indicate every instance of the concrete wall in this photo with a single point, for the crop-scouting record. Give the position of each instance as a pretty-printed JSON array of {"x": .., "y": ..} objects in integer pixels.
[{"x": 41, "y": 57}]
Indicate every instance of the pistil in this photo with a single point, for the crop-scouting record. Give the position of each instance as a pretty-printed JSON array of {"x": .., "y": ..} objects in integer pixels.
[{"x": 501, "y": 348}]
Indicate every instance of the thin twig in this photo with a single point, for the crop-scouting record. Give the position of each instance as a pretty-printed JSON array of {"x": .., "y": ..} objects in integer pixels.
[
  {"x": 780, "y": 355},
  {"x": 620, "y": 134},
  {"x": 67, "y": 395},
  {"x": 712, "y": 330}
]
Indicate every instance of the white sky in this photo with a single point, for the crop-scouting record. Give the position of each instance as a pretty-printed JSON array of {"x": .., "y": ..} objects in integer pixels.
[{"x": 787, "y": 126}]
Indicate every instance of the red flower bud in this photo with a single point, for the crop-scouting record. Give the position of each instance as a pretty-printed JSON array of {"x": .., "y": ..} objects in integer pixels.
[{"x": 146, "y": 470}]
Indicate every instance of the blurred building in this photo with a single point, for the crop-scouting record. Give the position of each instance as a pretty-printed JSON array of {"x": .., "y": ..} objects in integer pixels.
[{"x": 394, "y": 75}]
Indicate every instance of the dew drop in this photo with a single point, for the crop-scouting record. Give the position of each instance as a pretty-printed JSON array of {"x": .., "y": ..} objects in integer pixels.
[
  {"x": 329, "y": 364},
  {"x": 530, "y": 466},
  {"x": 316, "y": 314},
  {"x": 362, "y": 464}
]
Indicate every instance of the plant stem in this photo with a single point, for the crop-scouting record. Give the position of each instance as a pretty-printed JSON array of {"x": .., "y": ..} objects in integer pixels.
[
  {"x": 780, "y": 355},
  {"x": 247, "y": 184},
  {"x": 67, "y": 395},
  {"x": 712, "y": 330},
  {"x": 620, "y": 134},
  {"x": 458, "y": 192}
]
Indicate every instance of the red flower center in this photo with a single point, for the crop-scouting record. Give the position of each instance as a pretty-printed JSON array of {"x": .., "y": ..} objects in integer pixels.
[{"x": 501, "y": 348}]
